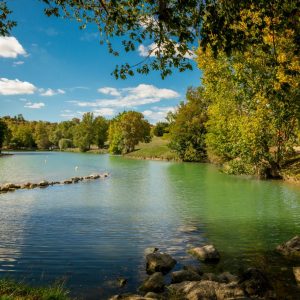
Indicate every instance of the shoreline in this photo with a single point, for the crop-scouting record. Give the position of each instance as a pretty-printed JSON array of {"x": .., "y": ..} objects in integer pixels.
[{"x": 286, "y": 176}]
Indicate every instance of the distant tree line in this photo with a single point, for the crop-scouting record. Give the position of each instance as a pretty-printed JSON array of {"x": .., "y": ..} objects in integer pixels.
[{"x": 124, "y": 132}]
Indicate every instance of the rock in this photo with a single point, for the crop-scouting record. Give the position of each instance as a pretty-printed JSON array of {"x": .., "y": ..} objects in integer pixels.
[
  {"x": 105, "y": 175},
  {"x": 26, "y": 185},
  {"x": 156, "y": 296},
  {"x": 210, "y": 277},
  {"x": 68, "y": 181},
  {"x": 154, "y": 283},
  {"x": 159, "y": 262},
  {"x": 122, "y": 282},
  {"x": 187, "y": 229},
  {"x": 33, "y": 185},
  {"x": 43, "y": 183},
  {"x": 4, "y": 189},
  {"x": 9, "y": 186},
  {"x": 87, "y": 177},
  {"x": 291, "y": 247},
  {"x": 254, "y": 283},
  {"x": 75, "y": 179},
  {"x": 129, "y": 297},
  {"x": 150, "y": 250},
  {"x": 227, "y": 277},
  {"x": 184, "y": 275},
  {"x": 55, "y": 182},
  {"x": 97, "y": 176},
  {"x": 206, "y": 290},
  {"x": 296, "y": 271},
  {"x": 192, "y": 268},
  {"x": 206, "y": 253}
]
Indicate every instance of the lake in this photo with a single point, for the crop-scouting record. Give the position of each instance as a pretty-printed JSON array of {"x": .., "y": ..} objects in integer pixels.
[{"x": 92, "y": 233}]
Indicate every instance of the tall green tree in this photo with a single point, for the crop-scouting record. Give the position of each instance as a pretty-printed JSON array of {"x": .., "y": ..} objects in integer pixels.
[
  {"x": 101, "y": 131},
  {"x": 41, "y": 136},
  {"x": 3, "y": 132},
  {"x": 84, "y": 132},
  {"x": 126, "y": 131},
  {"x": 187, "y": 131}
]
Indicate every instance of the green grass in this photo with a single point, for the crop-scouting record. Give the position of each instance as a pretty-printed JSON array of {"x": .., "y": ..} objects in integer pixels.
[
  {"x": 157, "y": 149},
  {"x": 12, "y": 290}
]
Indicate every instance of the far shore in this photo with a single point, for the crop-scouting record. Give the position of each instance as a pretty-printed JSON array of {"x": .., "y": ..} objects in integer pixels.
[{"x": 158, "y": 150}]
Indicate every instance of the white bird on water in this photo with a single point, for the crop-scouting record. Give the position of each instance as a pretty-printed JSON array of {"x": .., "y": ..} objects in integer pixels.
[{"x": 76, "y": 168}]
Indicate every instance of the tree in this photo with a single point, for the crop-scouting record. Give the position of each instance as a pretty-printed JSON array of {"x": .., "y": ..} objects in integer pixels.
[
  {"x": 187, "y": 131},
  {"x": 126, "y": 131},
  {"x": 171, "y": 27},
  {"x": 161, "y": 128},
  {"x": 84, "y": 132},
  {"x": 41, "y": 136},
  {"x": 101, "y": 131},
  {"x": 64, "y": 144},
  {"x": 253, "y": 118},
  {"x": 3, "y": 132}
]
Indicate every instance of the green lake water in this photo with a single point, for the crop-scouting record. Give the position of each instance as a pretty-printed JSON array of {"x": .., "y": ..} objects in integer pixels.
[{"x": 92, "y": 233}]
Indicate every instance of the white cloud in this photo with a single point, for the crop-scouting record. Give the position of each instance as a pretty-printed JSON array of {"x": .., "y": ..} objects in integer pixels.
[
  {"x": 131, "y": 97},
  {"x": 10, "y": 47},
  {"x": 36, "y": 105},
  {"x": 105, "y": 111},
  {"x": 151, "y": 50},
  {"x": 18, "y": 63},
  {"x": 157, "y": 114},
  {"x": 109, "y": 91},
  {"x": 15, "y": 87},
  {"x": 51, "y": 92}
]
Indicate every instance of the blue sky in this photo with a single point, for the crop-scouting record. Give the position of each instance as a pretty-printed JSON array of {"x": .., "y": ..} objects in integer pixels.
[{"x": 51, "y": 70}]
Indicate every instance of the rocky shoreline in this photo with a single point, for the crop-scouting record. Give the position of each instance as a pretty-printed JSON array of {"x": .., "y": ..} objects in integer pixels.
[
  {"x": 11, "y": 187},
  {"x": 190, "y": 283}
]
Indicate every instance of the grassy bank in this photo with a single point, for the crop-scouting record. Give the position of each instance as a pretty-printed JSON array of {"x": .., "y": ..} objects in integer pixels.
[
  {"x": 11, "y": 290},
  {"x": 157, "y": 149},
  {"x": 77, "y": 150}
]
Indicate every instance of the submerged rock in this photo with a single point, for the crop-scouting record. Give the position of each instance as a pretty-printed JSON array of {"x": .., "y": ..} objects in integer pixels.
[
  {"x": 296, "y": 271},
  {"x": 208, "y": 290},
  {"x": 159, "y": 262},
  {"x": 291, "y": 247},
  {"x": 255, "y": 283},
  {"x": 206, "y": 253},
  {"x": 193, "y": 268},
  {"x": 122, "y": 282},
  {"x": 184, "y": 275},
  {"x": 75, "y": 179},
  {"x": 154, "y": 283}
]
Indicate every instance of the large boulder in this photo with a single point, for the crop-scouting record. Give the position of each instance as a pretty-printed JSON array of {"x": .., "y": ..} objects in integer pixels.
[
  {"x": 255, "y": 283},
  {"x": 75, "y": 179},
  {"x": 184, "y": 275},
  {"x": 206, "y": 290},
  {"x": 154, "y": 283},
  {"x": 206, "y": 253},
  {"x": 159, "y": 262},
  {"x": 26, "y": 185},
  {"x": 10, "y": 186},
  {"x": 296, "y": 271},
  {"x": 291, "y": 247}
]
